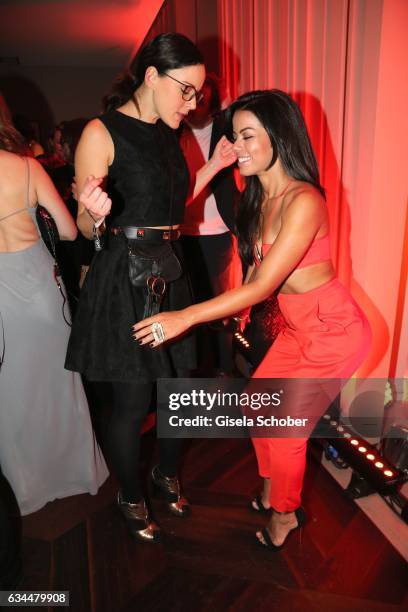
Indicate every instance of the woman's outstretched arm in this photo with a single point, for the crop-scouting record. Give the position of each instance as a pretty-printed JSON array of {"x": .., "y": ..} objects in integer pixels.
[{"x": 300, "y": 224}]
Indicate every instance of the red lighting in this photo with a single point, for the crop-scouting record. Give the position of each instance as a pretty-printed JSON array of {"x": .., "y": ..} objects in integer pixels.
[
  {"x": 370, "y": 457},
  {"x": 354, "y": 442},
  {"x": 378, "y": 464},
  {"x": 388, "y": 473},
  {"x": 362, "y": 449}
]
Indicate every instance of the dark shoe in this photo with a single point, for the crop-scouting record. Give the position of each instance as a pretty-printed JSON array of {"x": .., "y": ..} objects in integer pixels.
[
  {"x": 138, "y": 520},
  {"x": 261, "y": 508},
  {"x": 301, "y": 519},
  {"x": 168, "y": 489}
]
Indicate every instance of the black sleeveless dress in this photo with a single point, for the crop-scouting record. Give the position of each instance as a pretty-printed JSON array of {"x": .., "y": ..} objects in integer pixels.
[{"x": 147, "y": 159}]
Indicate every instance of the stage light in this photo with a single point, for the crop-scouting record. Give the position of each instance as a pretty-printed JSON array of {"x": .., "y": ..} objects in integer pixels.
[
  {"x": 371, "y": 471},
  {"x": 243, "y": 342}
]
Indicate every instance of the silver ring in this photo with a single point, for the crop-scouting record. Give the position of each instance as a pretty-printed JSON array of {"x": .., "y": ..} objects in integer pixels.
[{"x": 158, "y": 332}]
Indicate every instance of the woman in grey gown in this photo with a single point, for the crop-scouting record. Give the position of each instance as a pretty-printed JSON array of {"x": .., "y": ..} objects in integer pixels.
[{"x": 47, "y": 445}]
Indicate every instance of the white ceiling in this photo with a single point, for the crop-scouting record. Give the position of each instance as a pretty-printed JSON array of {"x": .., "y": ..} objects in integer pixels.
[{"x": 69, "y": 33}]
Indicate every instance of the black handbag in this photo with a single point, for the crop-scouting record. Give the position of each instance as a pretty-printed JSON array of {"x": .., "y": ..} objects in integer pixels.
[
  {"x": 153, "y": 261},
  {"x": 154, "y": 265},
  {"x": 50, "y": 236},
  {"x": 48, "y": 229}
]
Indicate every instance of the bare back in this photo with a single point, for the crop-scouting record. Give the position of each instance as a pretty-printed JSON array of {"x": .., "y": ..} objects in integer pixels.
[
  {"x": 17, "y": 229},
  {"x": 23, "y": 183}
]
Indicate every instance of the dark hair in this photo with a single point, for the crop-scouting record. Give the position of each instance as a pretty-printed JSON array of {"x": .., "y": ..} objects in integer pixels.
[
  {"x": 165, "y": 52},
  {"x": 71, "y": 133},
  {"x": 11, "y": 140},
  {"x": 282, "y": 119}
]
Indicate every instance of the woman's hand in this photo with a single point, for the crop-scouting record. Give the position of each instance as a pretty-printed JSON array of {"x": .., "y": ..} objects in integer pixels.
[
  {"x": 223, "y": 155},
  {"x": 94, "y": 199},
  {"x": 172, "y": 324}
]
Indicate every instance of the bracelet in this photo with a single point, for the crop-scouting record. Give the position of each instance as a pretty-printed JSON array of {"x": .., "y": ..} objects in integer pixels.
[{"x": 97, "y": 222}]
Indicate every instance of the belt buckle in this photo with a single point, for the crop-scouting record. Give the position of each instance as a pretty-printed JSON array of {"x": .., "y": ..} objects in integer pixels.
[{"x": 140, "y": 233}]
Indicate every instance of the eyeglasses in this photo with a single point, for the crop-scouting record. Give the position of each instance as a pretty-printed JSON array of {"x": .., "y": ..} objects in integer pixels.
[{"x": 189, "y": 91}]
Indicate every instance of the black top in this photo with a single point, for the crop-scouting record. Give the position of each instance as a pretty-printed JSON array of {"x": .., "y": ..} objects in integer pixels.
[{"x": 139, "y": 183}]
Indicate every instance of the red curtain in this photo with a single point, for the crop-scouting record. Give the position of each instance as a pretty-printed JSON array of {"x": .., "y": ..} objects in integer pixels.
[{"x": 342, "y": 61}]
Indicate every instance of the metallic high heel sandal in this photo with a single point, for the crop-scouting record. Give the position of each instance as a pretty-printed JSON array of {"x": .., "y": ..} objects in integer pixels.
[
  {"x": 138, "y": 520},
  {"x": 169, "y": 489}
]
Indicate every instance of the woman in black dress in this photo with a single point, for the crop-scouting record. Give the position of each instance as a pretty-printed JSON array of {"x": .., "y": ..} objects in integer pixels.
[{"x": 134, "y": 145}]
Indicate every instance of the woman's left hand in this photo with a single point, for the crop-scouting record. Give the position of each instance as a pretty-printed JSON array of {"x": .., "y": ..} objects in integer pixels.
[
  {"x": 169, "y": 324},
  {"x": 223, "y": 155}
]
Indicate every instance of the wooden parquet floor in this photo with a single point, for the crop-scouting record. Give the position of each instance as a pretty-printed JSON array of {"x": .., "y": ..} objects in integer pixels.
[{"x": 211, "y": 560}]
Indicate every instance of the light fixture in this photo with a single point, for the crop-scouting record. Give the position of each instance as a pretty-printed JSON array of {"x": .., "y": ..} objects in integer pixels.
[{"x": 371, "y": 471}]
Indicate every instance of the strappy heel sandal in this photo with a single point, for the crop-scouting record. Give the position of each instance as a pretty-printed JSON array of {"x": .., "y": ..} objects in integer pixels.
[
  {"x": 301, "y": 519},
  {"x": 261, "y": 508}
]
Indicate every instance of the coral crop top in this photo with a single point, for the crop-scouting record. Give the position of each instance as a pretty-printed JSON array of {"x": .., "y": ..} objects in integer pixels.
[{"x": 318, "y": 252}]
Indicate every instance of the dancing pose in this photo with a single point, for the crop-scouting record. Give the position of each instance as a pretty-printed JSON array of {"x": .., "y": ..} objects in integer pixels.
[
  {"x": 283, "y": 237},
  {"x": 134, "y": 144}
]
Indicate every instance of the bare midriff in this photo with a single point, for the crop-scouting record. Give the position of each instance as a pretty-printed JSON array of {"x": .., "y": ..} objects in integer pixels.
[{"x": 309, "y": 278}]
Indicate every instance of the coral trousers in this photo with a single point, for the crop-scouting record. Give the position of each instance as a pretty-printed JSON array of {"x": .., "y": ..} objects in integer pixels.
[{"x": 326, "y": 336}]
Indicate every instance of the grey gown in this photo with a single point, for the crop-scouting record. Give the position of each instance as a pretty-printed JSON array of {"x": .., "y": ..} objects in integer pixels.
[{"x": 47, "y": 445}]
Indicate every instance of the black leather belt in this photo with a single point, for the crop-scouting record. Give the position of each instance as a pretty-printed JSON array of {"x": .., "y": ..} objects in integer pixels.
[{"x": 145, "y": 233}]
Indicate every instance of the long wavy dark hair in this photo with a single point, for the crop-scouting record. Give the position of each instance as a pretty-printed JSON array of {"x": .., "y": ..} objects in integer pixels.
[
  {"x": 282, "y": 119},
  {"x": 165, "y": 52}
]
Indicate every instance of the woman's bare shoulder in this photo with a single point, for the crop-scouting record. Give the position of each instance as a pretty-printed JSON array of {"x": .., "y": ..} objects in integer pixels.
[
  {"x": 95, "y": 130},
  {"x": 7, "y": 158},
  {"x": 303, "y": 194}
]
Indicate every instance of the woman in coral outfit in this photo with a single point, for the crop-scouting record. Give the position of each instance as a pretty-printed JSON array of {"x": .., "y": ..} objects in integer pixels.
[{"x": 283, "y": 237}]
